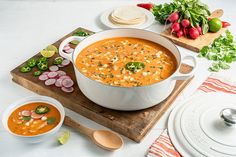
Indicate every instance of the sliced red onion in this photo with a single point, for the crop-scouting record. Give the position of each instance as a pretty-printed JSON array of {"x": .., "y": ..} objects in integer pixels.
[
  {"x": 61, "y": 73},
  {"x": 52, "y": 74},
  {"x": 58, "y": 83},
  {"x": 65, "y": 62},
  {"x": 67, "y": 83},
  {"x": 53, "y": 68},
  {"x": 66, "y": 47},
  {"x": 67, "y": 90},
  {"x": 43, "y": 77},
  {"x": 50, "y": 82}
]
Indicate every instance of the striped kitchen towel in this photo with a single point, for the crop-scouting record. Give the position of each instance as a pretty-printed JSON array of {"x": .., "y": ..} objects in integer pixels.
[{"x": 162, "y": 146}]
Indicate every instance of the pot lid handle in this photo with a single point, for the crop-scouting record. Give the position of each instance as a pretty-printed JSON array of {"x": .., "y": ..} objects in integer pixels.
[{"x": 229, "y": 116}]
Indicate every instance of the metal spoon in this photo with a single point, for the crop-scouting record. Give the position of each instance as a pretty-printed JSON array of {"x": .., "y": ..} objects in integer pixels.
[{"x": 103, "y": 138}]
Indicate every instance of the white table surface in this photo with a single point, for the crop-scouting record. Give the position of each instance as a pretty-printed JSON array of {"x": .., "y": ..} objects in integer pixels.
[{"x": 27, "y": 27}]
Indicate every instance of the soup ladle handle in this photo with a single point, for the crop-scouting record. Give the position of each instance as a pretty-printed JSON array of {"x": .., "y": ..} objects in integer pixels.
[{"x": 70, "y": 122}]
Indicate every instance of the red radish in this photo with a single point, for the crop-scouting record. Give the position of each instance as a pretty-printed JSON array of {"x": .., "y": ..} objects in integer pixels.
[
  {"x": 67, "y": 83},
  {"x": 185, "y": 22},
  {"x": 53, "y": 68},
  {"x": 59, "y": 83},
  {"x": 65, "y": 77},
  {"x": 147, "y": 6},
  {"x": 65, "y": 62},
  {"x": 173, "y": 17},
  {"x": 175, "y": 27},
  {"x": 179, "y": 33},
  {"x": 193, "y": 32},
  {"x": 43, "y": 77},
  {"x": 50, "y": 82},
  {"x": 185, "y": 31},
  {"x": 36, "y": 116},
  {"x": 61, "y": 73},
  {"x": 209, "y": 19},
  {"x": 199, "y": 29},
  {"x": 25, "y": 113},
  {"x": 67, "y": 90},
  {"x": 225, "y": 24},
  {"x": 52, "y": 74}
]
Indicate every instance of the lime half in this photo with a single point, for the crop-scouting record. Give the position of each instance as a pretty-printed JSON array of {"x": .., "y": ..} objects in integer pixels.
[
  {"x": 64, "y": 137},
  {"x": 49, "y": 51}
]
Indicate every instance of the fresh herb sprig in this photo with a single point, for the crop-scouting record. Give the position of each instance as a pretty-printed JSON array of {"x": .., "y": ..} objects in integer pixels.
[{"x": 222, "y": 52}]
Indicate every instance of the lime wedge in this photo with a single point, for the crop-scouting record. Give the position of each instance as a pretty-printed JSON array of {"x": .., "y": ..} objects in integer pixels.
[
  {"x": 75, "y": 42},
  {"x": 64, "y": 137},
  {"x": 47, "y": 54},
  {"x": 51, "y": 48}
]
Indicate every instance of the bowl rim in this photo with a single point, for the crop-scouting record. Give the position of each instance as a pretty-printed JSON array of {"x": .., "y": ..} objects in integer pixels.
[
  {"x": 23, "y": 101},
  {"x": 120, "y": 29}
]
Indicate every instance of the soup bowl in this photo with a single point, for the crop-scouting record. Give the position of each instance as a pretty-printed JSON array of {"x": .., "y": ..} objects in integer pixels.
[
  {"x": 119, "y": 97},
  {"x": 34, "y": 138}
]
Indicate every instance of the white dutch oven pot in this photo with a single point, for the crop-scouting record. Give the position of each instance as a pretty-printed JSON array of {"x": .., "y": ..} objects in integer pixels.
[{"x": 126, "y": 98}]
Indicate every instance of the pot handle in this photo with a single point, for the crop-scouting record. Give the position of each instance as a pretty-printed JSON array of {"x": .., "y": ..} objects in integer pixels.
[
  {"x": 64, "y": 43},
  {"x": 181, "y": 76}
]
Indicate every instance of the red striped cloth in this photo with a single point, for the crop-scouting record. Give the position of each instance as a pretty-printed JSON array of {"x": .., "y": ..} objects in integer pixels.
[{"x": 162, "y": 146}]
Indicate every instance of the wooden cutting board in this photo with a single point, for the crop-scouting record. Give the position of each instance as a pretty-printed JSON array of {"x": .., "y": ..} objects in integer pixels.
[
  {"x": 134, "y": 125},
  {"x": 197, "y": 44}
]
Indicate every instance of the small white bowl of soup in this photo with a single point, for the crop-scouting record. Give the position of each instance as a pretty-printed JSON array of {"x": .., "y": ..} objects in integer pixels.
[
  {"x": 33, "y": 119},
  {"x": 126, "y": 69}
]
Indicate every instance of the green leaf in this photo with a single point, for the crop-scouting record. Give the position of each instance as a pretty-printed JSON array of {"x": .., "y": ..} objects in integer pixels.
[
  {"x": 51, "y": 120},
  {"x": 26, "y": 118},
  {"x": 224, "y": 65}
]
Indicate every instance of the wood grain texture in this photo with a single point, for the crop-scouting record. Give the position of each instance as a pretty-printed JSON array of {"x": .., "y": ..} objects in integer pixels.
[
  {"x": 134, "y": 125},
  {"x": 203, "y": 40},
  {"x": 194, "y": 45}
]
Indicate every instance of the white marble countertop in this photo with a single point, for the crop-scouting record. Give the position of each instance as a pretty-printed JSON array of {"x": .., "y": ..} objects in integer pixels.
[{"x": 28, "y": 26}]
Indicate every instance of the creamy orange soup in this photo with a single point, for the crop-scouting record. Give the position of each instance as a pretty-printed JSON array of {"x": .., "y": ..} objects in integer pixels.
[
  {"x": 126, "y": 62},
  {"x": 33, "y": 119}
]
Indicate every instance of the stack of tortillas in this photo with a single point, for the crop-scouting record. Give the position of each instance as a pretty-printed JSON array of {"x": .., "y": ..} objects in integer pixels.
[{"x": 128, "y": 15}]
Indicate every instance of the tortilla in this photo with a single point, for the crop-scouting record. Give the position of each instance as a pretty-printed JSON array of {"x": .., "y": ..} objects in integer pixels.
[{"x": 127, "y": 15}]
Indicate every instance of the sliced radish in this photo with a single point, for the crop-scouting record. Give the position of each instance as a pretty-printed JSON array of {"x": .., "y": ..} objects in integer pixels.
[
  {"x": 67, "y": 83},
  {"x": 26, "y": 113},
  {"x": 66, "y": 47},
  {"x": 60, "y": 66},
  {"x": 52, "y": 74},
  {"x": 45, "y": 73},
  {"x": 36, "y": 116},
  {"x": 67, "y": 90},
  {"x": 61, "y": 73},
  {"x": 50, "y": 82},
  {"x": 43, "y": 77},
  {"x": 53, "y": 68},
  {"x": 58, "y": 83},
  {"x": 69, "y": 50},
  {"x": 65, "y": 62},
  {"x": 65, "y": 77}
]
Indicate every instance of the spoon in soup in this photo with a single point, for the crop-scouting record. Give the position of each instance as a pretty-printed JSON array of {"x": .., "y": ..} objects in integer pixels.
[{"x": 103, "y": 138}]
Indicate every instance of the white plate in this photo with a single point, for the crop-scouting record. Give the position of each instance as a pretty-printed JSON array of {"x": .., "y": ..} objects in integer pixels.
[{"x": 104, "y": 18}]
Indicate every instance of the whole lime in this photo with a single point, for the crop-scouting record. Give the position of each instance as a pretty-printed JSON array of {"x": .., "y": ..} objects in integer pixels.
[{"x": 215, "y": 25}]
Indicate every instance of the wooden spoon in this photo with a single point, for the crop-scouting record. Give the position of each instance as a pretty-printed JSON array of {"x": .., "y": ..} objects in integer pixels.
[
  {"x": 217, "y": 13},
  {"x": 103, "y": 138}
]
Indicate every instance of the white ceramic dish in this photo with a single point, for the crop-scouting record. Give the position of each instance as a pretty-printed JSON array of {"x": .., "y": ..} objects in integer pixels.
[
  {"x": 40, "y": 137},
  {"x": 126, "y": 98},
  {"x": 104, "y": 18}
]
